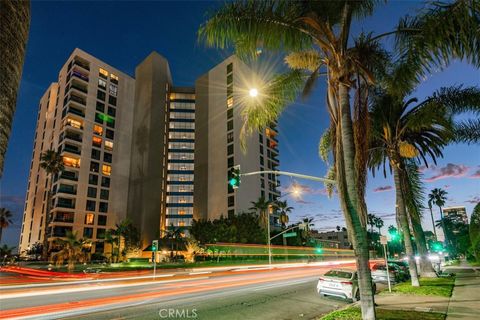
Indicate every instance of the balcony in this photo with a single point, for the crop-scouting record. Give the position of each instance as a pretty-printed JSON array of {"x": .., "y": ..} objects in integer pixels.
[
  {"x": 73, "y": 136},
  {"x": 78, "y": 100},
  {"x": 67, "y": 189},
  {"x": 65, "y": 203},
  {"x": 80, "y": 75},
  {"x": 71, "y": 149},
  {"x": 69, "y": 176},
  {"x": 81, "y": 64},
  {"x": 76, "y": 112},
  {"x": 78, "y": 87},
  {"x": 66, "y": 217}
]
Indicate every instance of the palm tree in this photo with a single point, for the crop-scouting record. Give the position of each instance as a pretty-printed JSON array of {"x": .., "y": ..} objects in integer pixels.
[
  {"x": 71, "y": 250},
  {"x": 317, "y": 36},
  {"x": 371, "y": 221},
  {"x": 379, "y": 223},
  {"x": 15, "y": 17},
  {"x": 262, "y": 206},
  {"x": 284, "y": 209},
  {"x": 111, "y": 239},
  {"x": 474, "y": 231},
  {"x": 433, "y": 220},
  {"x": 438, "y": 197},
  {"x": 5, "y": 220},
  {"x": 52, "y": 162}
]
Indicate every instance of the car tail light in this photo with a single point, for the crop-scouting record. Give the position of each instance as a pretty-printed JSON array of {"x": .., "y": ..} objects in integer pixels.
[
  {"x": 346, "y": 282},
  {"x": 321, "y": 279}
]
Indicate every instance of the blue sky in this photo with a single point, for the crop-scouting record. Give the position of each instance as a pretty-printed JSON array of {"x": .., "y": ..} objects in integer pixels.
[{"x": 123, "y": 33}]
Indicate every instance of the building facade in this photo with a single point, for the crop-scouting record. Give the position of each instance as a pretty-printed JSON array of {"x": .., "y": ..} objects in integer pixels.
[
  {"x": 86, "y": 116},
  {"x": 143, "y": 149},
  {"x": 333, "y": 239},
  {"x": 459, "y": 214}
]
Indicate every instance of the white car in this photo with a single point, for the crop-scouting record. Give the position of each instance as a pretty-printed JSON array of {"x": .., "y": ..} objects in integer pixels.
[{"x": 341, "y": 283}]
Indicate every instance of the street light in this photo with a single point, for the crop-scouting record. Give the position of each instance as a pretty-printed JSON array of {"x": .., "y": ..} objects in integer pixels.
[{"x": 253, "y": 92}]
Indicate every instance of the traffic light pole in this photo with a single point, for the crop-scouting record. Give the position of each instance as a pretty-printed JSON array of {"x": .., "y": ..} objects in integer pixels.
[{"x": 291, "y": 174}]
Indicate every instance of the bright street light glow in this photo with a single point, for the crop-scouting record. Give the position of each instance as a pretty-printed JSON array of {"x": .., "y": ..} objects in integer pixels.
[{"x": 253, "y": 92}]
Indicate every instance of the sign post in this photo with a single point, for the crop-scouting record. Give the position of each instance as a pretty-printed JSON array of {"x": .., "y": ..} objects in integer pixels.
[
  {"x": 383, "y": 240},
  {"x": 154, "y": 257}
]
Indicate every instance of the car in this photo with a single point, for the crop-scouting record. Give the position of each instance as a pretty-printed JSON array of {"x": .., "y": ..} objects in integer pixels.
[
  {"x": 341, "y": 283},
  {"x": 403, "y": 266},
  {"x": 379, "y": 273}
]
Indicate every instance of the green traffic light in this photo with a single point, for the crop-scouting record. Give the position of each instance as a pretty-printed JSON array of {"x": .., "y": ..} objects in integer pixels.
[
  {"x": 319, "y": 250},
  {"x": 233, "y": 182}
]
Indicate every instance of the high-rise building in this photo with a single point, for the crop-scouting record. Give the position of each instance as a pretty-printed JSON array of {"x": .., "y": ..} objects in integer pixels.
[
  {"x": 86, "y": 116},
  {"x": 143, "y": 149},
  {"x": 458, "y": 214},
  {"x": 221, "y": 96}
]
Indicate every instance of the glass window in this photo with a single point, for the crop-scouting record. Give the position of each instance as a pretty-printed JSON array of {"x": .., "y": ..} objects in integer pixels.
[
  {"x": 229, "y": 67},
  {"x": 229, "y": 113},
  {"x": 230, "y": 162},
  {"x": 111, "y": 123},
  {"x": 71, "y": 162},
  {"x": 106, "y": 169},
  {"x": 231, "y": 201},
  {"x": 230, "y": 125},
  {"x": 104, "y": 193},
  {"x": 105, "y": 182},
  {"x": 92, "y": 192},
  {"x": 102, "y": 220},
  {"x": 109, "y": 134},
  {"x": 89, "y": 218},
  {"x": 230, "y": 149},
  {"x": 112, "y": 89},
  {"x": 90, "y": 205},
  {"x": 111, "y": 111},
  {"x": 98, "y": 130},
  {"x": 88, "y": 232},
  {"x": 96, "y": 154},
  {"x": 230, "y": 102},
  {"x": 229, "y": 137},
  {"x": 107, "y": 157},
  {"x": 94, "y": 166},
  {"x": 102, "y": 84},
  {"x": 100, "y": 106},
  {"x": 112, "y": 100},
  {"x": 103, "y": 207},
  {"x": 113, "y": 78},
  {"x": 93, "y": 179},
  {"x": 97, "y": 142},
  {"x": 100, "y": 233},
  {"x": 101, "y": 95},
  {"x": 108, "y": 145},
  {"x": 103, "y": 73}
]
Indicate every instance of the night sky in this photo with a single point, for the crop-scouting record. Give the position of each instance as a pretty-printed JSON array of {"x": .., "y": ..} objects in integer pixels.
[{"x": 123, "y": 33}]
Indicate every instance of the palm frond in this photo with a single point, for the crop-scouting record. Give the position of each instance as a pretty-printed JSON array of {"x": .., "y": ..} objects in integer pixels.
[
  {"x": 467, "y": 131},
  {"x": 249, "y": 24},
  {"x": 414, "y": 190},
  {"x": 304, "y": 60},
  {"x": 325, "y": 145}
]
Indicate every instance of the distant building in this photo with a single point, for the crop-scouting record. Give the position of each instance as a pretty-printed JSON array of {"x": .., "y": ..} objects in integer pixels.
[
  {"x": 459, "y": 214},
  {"x": 333, "y": 239}
]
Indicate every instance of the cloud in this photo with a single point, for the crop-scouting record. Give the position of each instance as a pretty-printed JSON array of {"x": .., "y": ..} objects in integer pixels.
[
  {"x": 474, "y": 200},
  {"x": 382, "y": 189},
  {"x": 451, "y": 170},
  {"x": 476, "y": 175}
]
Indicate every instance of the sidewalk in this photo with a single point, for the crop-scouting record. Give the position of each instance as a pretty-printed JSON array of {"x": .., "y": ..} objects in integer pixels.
[{"x": 465, "y": 300}]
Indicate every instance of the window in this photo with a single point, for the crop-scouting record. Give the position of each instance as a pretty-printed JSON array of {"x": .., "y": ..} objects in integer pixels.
[
  {"x": 112, "y": 89},
  {"x": 88, "y": 232},
  {"x": 100, "y": 233},
  {"x": 94, "y": 166},
  {"x": 261, "y": 149},
  {"x": 230, "y": 149},
  {"x": 107, "y": 157},
  {"x": 113, "y": 78},
  {"x": 229, "y": 137},
  {"x": 106, "y": 169},
  {"x": 104, "y": 193},
  {"x": 230, "y": 125},
  {"x": 102, "y": 84},
  {"x": 93, "y": 179},
  {"x": 231, "y": 201},
  {"x": 90, "y": 205},
  {"x": 98, "y": 130},
  {"x": 103, "y": 73},
  {"x": 99, "y": 117},
  {"x": 111, "y": 122},
  {"x": 230, "y": 102},
  {"x": 111, "y": 111},
  {"x": 230, "y": 162},
  {"x": 230, "y": 78},
  {"x": 100, "y": 106},
  {"x": 102, "y": 220},
  {"x": 108, "y": 145},
  {"x": 109, "y": 134},
  {"x": 97, "y": 142},
  {"x": 105, "y": 182},
  {"x": 89, "y": 218},
  {"x": 261, "y": 161},
  {"x": 96, "y": 154},
  {"x": 112, "y": 100},
  {"x": 92, "y": 192},
  {"x": 103, "y": 207},
  {"x": 229, "y": 113},
  {"x": 101, "y": 95},
  {"x": 229, "y": 67},
  {"x": 260, "y": 138},
  {"x": 74, "y": 123},
  {"x": 71, "y": 162},
  {"x": 229, "y": 91}
]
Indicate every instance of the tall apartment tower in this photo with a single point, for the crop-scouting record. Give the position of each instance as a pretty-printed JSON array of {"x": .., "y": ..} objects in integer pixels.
[
  {"x": 219, "y": 96},
  {"x": 87, "y": 117},
  {"x": 161, "y": 175}
]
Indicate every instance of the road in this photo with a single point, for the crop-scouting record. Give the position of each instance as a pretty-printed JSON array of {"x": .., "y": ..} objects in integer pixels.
[{"x": 257, "y": 293}]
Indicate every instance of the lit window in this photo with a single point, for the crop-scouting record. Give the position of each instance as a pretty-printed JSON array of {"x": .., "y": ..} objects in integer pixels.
[
  {"x": 181, "y": 223},
  {"x": 98, "y": 130},
  {"x": 113, "y": 90},
  {"x": 114, "y": 77},
  {"x": 71, "y": 162},
  {"x": 106, "y": 169},
  {"x": 89, "y": 218},
  {"x": 103, "y": 72},
  {"x": 230, "y": 102},
  {"x": 97, "y": 142},
  {"x": 102, "y": 84},
  {"x": 74, "y": 123},
  {"x": 182, "y": 212},
  {"x": 182, "y": 201},
  {"x": 108, "y": 145}
]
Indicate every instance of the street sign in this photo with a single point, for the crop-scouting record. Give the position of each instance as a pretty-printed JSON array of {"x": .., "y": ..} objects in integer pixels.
[
  {"x": 289, "y": 234},
  {"x": 383, "y": 239}
]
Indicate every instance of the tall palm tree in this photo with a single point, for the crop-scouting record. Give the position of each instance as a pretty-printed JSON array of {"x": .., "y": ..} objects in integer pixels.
[
  {"x": 52, "y": 162},
  {"x": 433, "y": 220},
  {"x": 316, "y": 34},
  {"x": 262, "y": 206},
  {"x": 437, "y": 197},
  {"x": 5, "y": 220},
  {"x": 71, "y": 250},
  {"x": 284, "y": 210},
  {"x": 15, "y": 17},
  {"x": 371, "y": 221},
  {"x": 379, "y": 223}
]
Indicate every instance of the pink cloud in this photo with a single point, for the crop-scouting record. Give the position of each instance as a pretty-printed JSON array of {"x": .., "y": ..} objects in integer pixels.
[
  {"x": 476, "y": 175},
  {"x": 382, "y": 189},
  {"x": 474, "y": 200},
  {"x": 449, "y": 171}
]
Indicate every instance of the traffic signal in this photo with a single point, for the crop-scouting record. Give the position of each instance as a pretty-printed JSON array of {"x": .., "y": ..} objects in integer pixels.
[
  {"x": 319, "y": 250},
  {"x": 155, "y": 245},
  {"x": 234, "y": 177},
  {"x": 394, "y": 236},
  {"x": 437, "y": 246}
]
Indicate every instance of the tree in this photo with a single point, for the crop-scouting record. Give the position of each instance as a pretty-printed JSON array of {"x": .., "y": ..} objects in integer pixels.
[
  {"x": 111, "y": 239},
  {"x": 316, "y": 34},
  {"x": 457, "y": 232},
  {"x": 15, "y": 17},
  {"x": 71, "y": 250},
  {"x": 284, "y": 210},
  {"x": 438, "y": 197},
  {"x": 262, "y": 206},
  {"x": 371, "y": 221},
  {"x": 474, "y": 231},
  {"x": 379, "y": 223},
  {"x": 5, "y": 220},
  {"x": 5, "y": 250},
  {"x": 192, "y": 248},
  {"x": 52, "y": 163}
]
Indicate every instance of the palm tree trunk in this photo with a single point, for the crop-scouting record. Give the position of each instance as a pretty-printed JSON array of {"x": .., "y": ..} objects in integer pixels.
[
  {"x": 433, "y": 224},
  {"x": 345, "y": 163},
  {"x": 402, "y": 215},
  {"x": 426, "y": 268},
  {"x": 15, "y": 17},
  {"x": 445, "y": 237},
  {"x": 46, "y": 221},
  {"x": 1, "y": 231}
]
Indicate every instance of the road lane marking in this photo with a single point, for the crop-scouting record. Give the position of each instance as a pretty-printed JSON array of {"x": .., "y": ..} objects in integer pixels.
[{"x": 202, "y": 272}]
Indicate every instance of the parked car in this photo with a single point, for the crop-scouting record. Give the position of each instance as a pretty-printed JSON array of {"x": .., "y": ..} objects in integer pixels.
[
  {"x": 403, "y": 266},
  {"x": 341, "y": 283},
  {"x": 379, "y": 273}
]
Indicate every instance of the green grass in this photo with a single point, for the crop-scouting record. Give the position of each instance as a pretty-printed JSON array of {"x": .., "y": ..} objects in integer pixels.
[
  {"x": 354, "y": 313},
  {"x": 428, "y": 286}
]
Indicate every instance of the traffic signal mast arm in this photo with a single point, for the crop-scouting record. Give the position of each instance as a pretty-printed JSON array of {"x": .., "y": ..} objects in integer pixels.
[
  {"x": 300, "y": 226},
  {"x": 291, "y": 174}
]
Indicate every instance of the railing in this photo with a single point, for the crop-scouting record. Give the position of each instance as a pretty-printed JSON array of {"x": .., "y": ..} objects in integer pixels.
[
  {"x": 75, "y": 137},
  {"x": 77, "y": 100},
  {"x": 67, "y": 191},
  {"x": 71, "y": 149},
  {"x": 80, "y": 75},
  {"x": 68, "y": 176},
  {"x": 80, "y": 64},
  {"x": 84, "y": 90},
  {"x": 77, "y": 112},
  {"x": 66, "y": 205}
]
